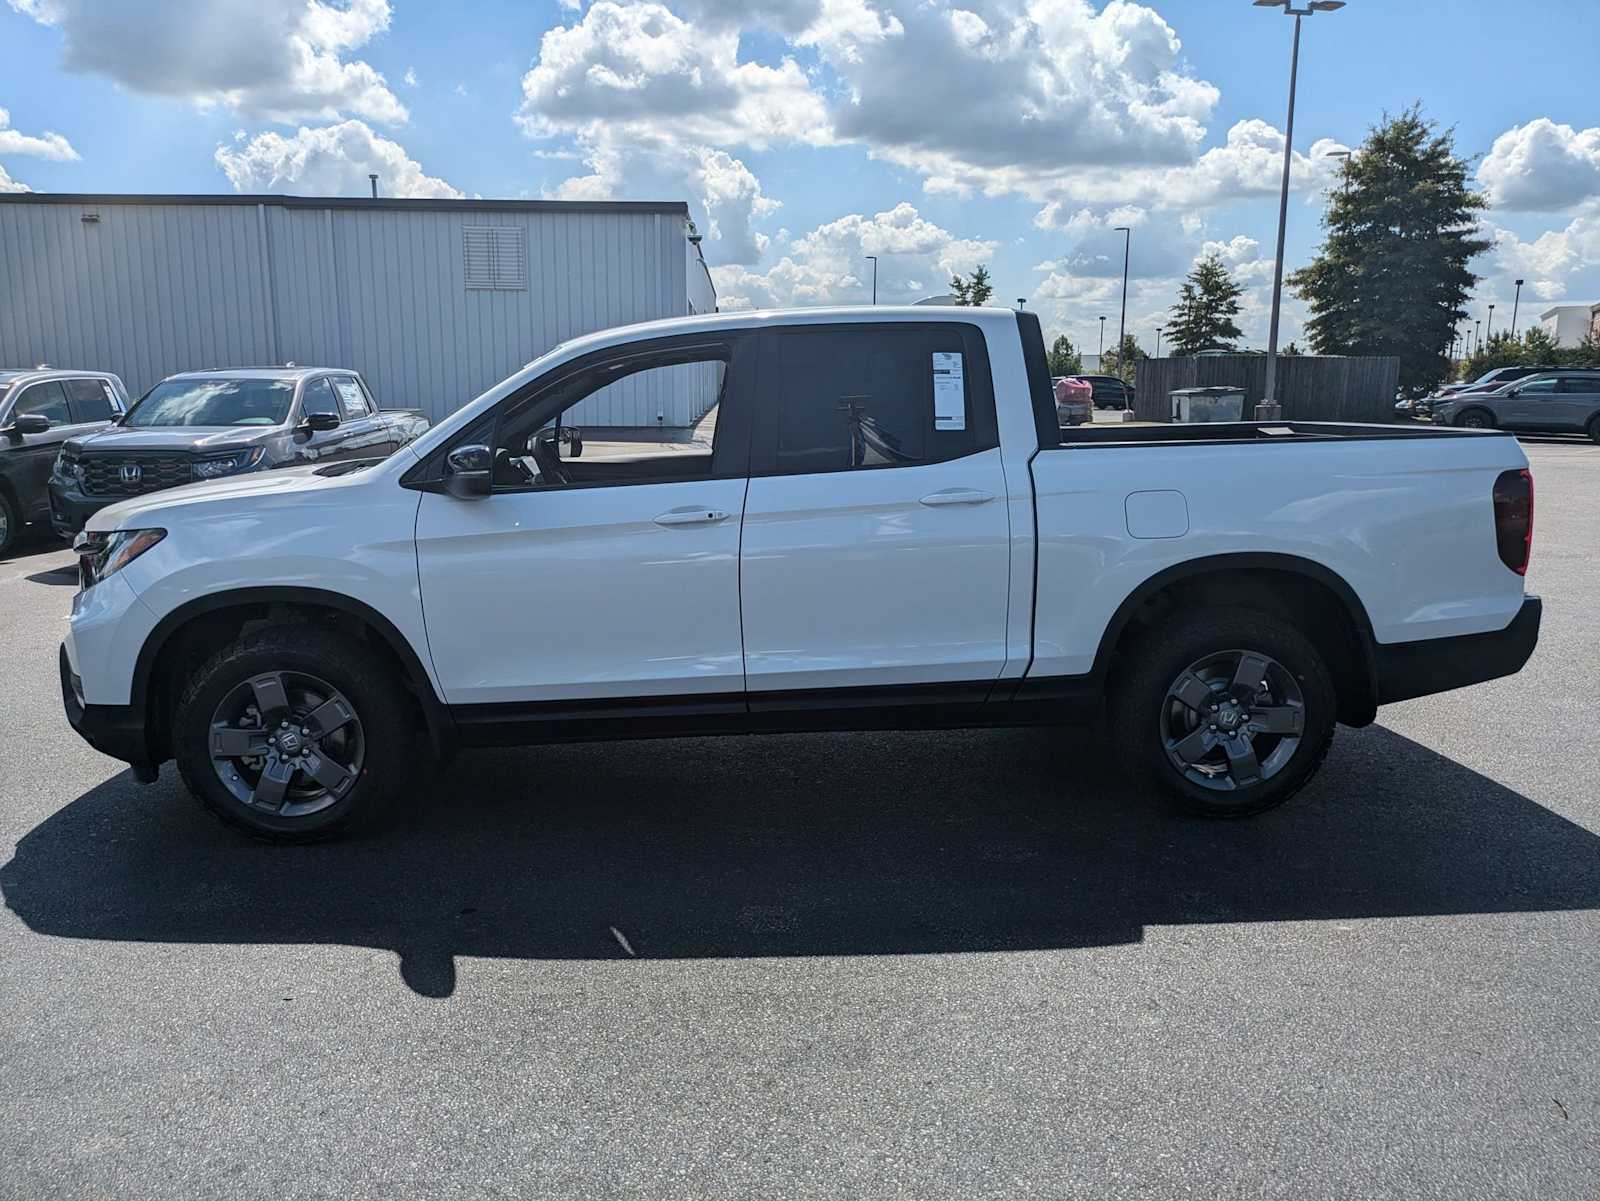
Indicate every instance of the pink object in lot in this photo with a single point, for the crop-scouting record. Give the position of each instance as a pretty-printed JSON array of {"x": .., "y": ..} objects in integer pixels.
[{"x": 1074, "y": 400}]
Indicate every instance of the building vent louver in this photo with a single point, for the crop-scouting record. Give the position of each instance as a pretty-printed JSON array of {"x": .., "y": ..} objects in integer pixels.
[{"x": 496, "y": 257}]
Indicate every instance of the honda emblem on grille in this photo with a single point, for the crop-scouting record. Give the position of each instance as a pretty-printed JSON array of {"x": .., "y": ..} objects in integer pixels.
[{"x": 131, "y": 473}]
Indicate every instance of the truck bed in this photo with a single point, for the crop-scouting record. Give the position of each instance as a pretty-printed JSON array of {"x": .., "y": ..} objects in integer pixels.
[{"x": 1226, "y": 433}]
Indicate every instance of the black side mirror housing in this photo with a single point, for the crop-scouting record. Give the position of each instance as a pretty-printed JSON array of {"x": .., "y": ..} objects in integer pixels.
[
  {"x": 27, "y": 423},
  {"x": 467, "y": 472},
  {"x": 320, "y": 423}
]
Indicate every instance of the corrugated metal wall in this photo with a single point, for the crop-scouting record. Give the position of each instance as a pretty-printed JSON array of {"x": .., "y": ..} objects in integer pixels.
[{"x": 151, "y": 289}]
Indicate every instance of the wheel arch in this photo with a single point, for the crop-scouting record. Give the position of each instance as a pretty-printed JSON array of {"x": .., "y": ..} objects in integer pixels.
[
  {"x": 1289, "y": 584},
  {"x": 218, "y": 616}
]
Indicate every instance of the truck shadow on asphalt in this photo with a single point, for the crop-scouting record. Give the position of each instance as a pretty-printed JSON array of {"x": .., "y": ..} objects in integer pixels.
[{"x": 880, "y": 844}]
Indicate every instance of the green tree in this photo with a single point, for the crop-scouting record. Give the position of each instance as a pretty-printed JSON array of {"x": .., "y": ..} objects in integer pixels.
[
  {"x": 1392, "y": 275},
  {"x": 1113, "y": 363},
  {"x": 1064, "y": 357},
  {"x": 1207, "y": 304},
  {"x": 974, "y": 291}
]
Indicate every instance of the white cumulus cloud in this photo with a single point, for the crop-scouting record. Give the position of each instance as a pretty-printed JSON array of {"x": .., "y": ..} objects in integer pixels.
[
  {"x": 828, "y": 265},
  {"x": 46, "y": 145},
  {"x": 331, "y": 160},
  {"x": 1542, "y": 167},
  {"x": 279, "y": 60}
]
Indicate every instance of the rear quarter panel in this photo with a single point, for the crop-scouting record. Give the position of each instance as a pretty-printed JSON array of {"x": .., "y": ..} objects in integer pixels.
[{"x": 1407, "y": 523}]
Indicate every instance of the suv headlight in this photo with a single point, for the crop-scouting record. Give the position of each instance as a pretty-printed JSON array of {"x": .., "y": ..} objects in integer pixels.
[
  {"x": 99, "y": 555},
  {"x": 68, "y": 469},
  {"x": 239, "y": 460}
]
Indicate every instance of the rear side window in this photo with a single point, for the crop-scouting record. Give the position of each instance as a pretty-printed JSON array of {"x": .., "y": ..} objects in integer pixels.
[
  {"x": 91, "y": 400},
  {"x": 351, "y": 400},
  {"x": 1581, "y": 384},
  {"x": 851, "y": 397}
]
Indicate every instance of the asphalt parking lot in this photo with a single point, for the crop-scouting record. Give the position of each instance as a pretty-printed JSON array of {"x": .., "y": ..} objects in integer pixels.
[{"x": 862, "y": 966}]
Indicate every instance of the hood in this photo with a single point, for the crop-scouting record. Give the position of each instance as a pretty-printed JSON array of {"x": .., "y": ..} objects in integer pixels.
[
  {"x": 138, "y": 512},
  {"x": 184, "y": 439}
]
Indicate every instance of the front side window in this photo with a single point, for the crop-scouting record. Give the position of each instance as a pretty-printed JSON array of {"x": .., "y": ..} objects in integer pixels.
[
  {"x": 847, "y": 398},
  {"x": 48, "y": 399},
  {"x": 537, "y": 446},
  {"x": 1539, "y": 387},
  {"x": 319, "y": 398},
  {"x": 214, "y": 402}
]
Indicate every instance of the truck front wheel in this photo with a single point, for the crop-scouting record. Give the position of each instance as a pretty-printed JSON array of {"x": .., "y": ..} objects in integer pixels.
[
  {"x": 1229, "y": 711},
  {"x": 294, "y": 733}
]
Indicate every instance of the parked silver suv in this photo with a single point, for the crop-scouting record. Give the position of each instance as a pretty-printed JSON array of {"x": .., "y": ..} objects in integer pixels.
[{"x": 1557, "y": 402}]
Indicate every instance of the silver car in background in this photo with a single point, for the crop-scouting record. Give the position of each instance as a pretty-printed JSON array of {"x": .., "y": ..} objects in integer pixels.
[{"x": 1554, "y": 402}]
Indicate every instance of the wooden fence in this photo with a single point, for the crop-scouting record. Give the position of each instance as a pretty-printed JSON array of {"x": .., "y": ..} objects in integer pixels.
[{"x": 1310, "y": 387}]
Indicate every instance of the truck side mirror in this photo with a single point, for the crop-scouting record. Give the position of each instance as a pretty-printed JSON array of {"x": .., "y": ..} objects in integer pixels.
[
  {"x": 467, "y": 472},
  {"x": 25, "y": 424},
  {"x": 320, "y": 423}
]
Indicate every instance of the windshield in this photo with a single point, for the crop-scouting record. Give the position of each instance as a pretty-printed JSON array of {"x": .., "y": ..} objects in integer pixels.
[{"x": 214, "y": 402}]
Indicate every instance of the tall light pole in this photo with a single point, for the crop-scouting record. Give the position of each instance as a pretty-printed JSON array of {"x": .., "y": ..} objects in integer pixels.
[
  {"x": 1101, "y": 365},
  {"x": 874, "y": 259},
  {"x": 1516, "y": 304},
  {"x": 1490, "y": 331},
  {"x": 1159, "y": 328},
  {"x": 1122, "y": 328},
  {"x": 1344, "y": 168},
  {"x": 1269, "y": 400},
  {"x": 1477, "y": 336}
]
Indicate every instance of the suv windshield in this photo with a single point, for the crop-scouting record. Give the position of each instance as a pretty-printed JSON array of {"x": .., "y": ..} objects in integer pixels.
[{"x": 214, "y": 402}]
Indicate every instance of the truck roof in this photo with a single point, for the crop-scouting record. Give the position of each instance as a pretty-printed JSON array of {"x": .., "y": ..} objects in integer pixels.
[
  {"x": 280, "y": 372},
  {"x": 10, "y": 375}
]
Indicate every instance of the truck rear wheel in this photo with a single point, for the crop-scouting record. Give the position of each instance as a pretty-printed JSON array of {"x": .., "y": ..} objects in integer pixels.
[
  {"x": 1229, "y": 711},
  {"x": 294, "y": 733}
]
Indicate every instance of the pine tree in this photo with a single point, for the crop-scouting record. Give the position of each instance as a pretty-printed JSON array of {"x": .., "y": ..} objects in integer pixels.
[
  {"x": 1113, "y": 363},
  {"x": 975, "y": 291},
  {"x": 1392, "y": 275},
  {"x": 1207, "y": 304},
  {"x": 1064, "y": 357}
]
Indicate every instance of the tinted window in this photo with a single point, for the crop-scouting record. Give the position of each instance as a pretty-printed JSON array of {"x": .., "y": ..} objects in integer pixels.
[
  {"x": 47, "y": 400},
  {"x": 872, "y": 397},
  {"x": 319, "y": 398},
  {"x": 214, "y": 402},
  {"x": 91, "y": 399},
  {"x": 350, "y": 397},
  {"x": 1537, "y": 386},
  {"x": 1581, "y": 384}
]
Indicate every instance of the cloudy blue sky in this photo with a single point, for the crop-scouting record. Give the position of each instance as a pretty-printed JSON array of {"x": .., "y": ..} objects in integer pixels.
[{"x": 806, "y": 134}]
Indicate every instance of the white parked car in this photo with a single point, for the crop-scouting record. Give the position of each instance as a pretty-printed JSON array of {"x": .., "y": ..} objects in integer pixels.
[{"x": 890, "y": 530}]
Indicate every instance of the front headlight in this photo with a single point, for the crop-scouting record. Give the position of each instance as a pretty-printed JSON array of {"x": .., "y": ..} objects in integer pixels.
[
  {"x": 239, "y": 460},
  {"x": 68, "y": 469},
  {"x": 100, "y": 555}
]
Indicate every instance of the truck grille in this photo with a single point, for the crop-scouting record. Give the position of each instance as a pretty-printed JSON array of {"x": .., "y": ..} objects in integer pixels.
[{"x": 133, "y": 475}]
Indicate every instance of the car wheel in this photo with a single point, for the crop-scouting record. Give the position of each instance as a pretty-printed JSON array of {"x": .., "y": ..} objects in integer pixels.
[
  {"x": 10, "y": 527},
  {"x": 1228, "y": 711},
  {"x": 294, "y": 733},
  {"x": 1476, "y": 419}
]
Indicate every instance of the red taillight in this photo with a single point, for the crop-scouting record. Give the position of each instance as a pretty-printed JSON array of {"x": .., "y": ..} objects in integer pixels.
[{"x": 1513, "y": 519}]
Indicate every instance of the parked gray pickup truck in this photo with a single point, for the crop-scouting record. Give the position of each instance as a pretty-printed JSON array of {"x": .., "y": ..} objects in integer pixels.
[{"x": 204, "y": 425}]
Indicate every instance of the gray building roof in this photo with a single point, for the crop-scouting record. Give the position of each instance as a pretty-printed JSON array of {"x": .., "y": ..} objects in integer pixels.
[{"x": 403, "y": 203}]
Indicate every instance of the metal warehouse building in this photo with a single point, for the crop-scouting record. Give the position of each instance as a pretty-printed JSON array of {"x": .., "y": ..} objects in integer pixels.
[{"x": 432, "y": 300}]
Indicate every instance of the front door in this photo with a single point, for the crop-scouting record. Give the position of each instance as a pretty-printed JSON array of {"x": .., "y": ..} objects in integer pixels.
[
  {"x": 598, "y": 567},
  {"x": 877, "y": 542},
  {"x": 1529, "y": 405},
  {"x": 31, "y": 457}
]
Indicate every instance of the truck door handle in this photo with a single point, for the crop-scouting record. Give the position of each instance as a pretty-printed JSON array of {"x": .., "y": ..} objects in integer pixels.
[
  {"x": 691, "y": 517},
  {"x": 958, "y": 496}
]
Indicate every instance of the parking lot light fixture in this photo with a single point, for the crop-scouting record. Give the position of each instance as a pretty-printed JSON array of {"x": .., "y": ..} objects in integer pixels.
[
  {"x": 874, "y": 259},
  {"x": 1516, "y": 303},
  {"x": 1269, "y": 398},
  {"x": 1490, "y": 328},
  {"x": 1102, "y": 355},
  {"x": 1122, "y": 327}
]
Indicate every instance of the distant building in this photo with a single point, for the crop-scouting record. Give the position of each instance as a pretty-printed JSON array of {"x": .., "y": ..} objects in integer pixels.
[
  {"x": 1568, "y": 324},
  {"x": 1594, "y": 323},
  {"x": 432, "y": 300}
]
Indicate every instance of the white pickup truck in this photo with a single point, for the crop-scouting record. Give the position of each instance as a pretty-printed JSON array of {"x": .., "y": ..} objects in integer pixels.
[{"x": 887, "y": 530}]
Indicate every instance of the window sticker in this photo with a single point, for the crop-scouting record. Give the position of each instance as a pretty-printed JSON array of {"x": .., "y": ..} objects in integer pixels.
[{"x": 949, "y": 391}]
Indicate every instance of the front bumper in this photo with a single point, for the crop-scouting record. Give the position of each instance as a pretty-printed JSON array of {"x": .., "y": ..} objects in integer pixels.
[
  {"x": 70, "y": 509},
  {"x": 115, "y": 730},
  {"x": 1412, "y": 669}
]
